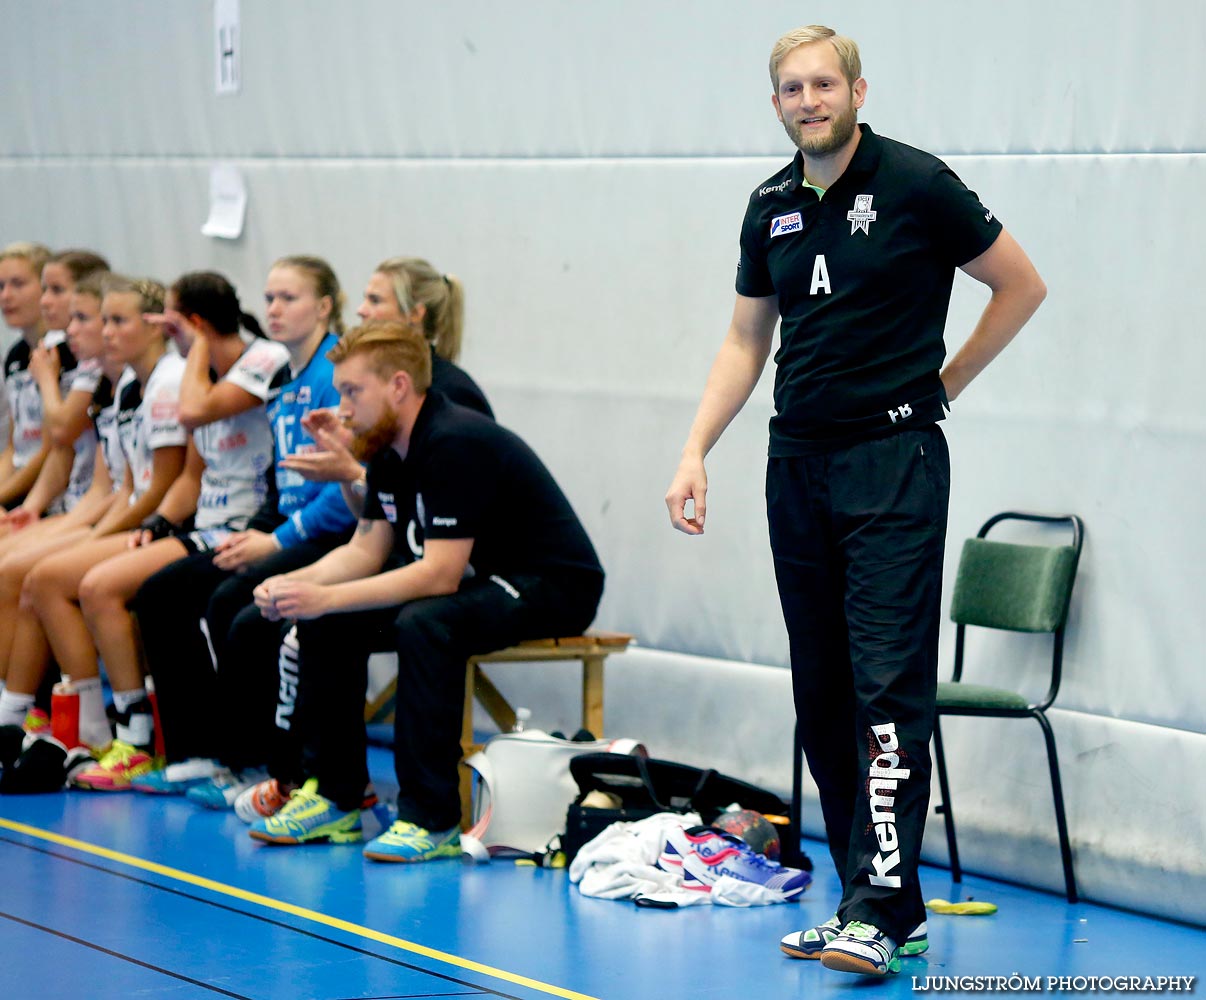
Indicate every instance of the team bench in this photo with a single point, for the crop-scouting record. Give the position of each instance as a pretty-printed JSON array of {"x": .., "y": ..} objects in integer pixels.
[{"x": 590, "y": 649}]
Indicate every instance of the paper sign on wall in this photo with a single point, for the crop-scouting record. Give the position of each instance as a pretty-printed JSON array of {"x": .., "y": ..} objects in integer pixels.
[
  {"x": 228, "y": 51},
  {"x": 227, "y": 202}
]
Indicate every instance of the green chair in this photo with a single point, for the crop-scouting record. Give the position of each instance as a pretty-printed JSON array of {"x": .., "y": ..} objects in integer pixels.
[{"x": 1017, "y": 588}]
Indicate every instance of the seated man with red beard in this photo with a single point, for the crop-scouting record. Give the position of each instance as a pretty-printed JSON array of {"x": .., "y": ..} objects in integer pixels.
[{"x": 466, "y": 545}]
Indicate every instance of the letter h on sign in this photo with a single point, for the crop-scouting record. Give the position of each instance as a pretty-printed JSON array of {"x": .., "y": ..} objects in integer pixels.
[{"x": 226, "y": 30}]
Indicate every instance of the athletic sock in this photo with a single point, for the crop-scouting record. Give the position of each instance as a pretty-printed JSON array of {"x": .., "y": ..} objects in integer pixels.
[
  {"x": 13, "y": 707},
  {"x": 135, "y": 718},
  {"x": 95, "y": 730},
  {"x": 122, "y": 700}
]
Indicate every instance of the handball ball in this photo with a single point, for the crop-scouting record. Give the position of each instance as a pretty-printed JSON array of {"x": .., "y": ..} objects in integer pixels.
[{"x": 752, "y": 827}]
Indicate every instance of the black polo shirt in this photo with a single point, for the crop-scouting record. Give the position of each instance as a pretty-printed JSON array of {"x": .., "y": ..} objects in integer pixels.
[
  {"x": 464, "y": 476},
  {"x": 454, "y": 382},
  {"x": 864, "y": 278}
]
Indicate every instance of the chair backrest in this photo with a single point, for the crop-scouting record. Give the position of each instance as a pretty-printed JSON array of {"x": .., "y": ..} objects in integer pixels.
[
  {"x": 1019, "y": 588},
  {"x": 1023, "y": 588}
]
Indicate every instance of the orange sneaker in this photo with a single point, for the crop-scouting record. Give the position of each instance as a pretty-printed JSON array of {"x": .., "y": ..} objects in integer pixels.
[{"x": 260, "y": 800}]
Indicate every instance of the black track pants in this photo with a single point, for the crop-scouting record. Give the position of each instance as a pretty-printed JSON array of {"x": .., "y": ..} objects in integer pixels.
[
  {"x": 433, "y": 638},
  {"x": 858, "y": 536},
  {"x": 186, "y": 608}
]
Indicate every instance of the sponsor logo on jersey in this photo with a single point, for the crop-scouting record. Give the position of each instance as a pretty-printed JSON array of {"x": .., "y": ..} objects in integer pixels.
[
  {"x": 781, "y": 225},
  {"x": 233, "y": 441},
  {"x": 163, "y": 409},
  {"x": 443, "y": 522},
  {"x": 303, "y": 394},
  {"x": 774, "y": 188},
  {"x": 505, "y": 586},
  {"x": 388, "y": 507},
  {"x": 413, "y": 542},
  {"x": 862, "y": 215}
]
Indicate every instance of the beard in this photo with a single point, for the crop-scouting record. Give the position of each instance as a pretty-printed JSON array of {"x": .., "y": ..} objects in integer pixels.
[
  {"x": 841, "y": 128},
  {"x": 381, "y": 434}
]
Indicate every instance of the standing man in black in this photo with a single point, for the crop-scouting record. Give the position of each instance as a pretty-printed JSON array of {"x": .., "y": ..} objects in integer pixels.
[
  {"x": 854, "y": 245},
  {"x": 466, "y": 545}
]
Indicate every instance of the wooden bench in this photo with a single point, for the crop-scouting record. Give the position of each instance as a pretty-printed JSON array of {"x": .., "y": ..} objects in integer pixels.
[{"x": 591, "y": 650}]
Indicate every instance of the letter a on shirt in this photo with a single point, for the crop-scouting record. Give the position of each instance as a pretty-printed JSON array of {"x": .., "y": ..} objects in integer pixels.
[{"x": 820, "y": 277}]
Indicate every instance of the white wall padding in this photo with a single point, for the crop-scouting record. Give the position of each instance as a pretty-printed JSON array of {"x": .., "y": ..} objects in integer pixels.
[
  {"x": 584, "y": 169},
  {"x": 623, "y": 78}
]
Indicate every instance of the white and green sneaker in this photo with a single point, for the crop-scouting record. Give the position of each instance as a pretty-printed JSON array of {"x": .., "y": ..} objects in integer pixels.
[
  {"x": 917, "y": 943},
  {"x": 407, "y": 842},
  {"x": 309, "y": 817},
  {"x": 862, "y": 949},
  {"x": 810, "y": 943}
]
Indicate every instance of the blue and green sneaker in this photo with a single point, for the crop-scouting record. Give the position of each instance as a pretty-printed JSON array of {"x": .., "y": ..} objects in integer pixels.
[
  {"x": 307, "y": 817},
  {"x": 405, "y": 841}
]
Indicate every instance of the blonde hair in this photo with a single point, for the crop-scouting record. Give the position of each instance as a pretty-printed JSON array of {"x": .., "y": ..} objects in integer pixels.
[
  {"x": 34, "y": 254},
  {"x": 325, "y": 283},
  {"x": 387, "y": 347},
  {"x": 150, "y": 292},
  {"x": 847, "y": 50},
  {"x": 416, "y": 282}
]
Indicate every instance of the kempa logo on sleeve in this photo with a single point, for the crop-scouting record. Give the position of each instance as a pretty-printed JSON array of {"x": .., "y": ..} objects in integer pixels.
[
  {"x": 774, "y": 188},
  {"x": 443, "y": 522},
  {"x": 781, "y": 225}
]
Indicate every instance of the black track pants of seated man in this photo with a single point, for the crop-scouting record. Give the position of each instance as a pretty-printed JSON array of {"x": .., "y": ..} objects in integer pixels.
[
  {"x": 858, "y": 537},
  {"x": 187, "y": 616},
  {"x": 433, "y": 638}
]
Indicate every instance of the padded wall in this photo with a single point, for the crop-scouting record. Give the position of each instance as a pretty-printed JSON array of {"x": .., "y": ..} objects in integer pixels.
[{"x": 584, "y": 169}]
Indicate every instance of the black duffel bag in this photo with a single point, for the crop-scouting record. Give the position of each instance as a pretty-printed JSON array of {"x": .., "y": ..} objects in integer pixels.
[{"x": 645, "y": 786}]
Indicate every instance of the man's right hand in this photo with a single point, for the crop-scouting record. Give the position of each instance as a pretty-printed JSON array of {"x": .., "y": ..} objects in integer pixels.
[
  {"x": 334, "y": 463},
  {"x": 690, "y": 484}
]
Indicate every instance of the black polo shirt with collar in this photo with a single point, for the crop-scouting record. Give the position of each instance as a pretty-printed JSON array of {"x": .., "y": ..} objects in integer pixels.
[
  {"x": 464, "y": 476},
  {"x": 864, "y": 277}
]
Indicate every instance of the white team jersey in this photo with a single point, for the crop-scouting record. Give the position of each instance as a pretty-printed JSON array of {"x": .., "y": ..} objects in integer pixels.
[
  {"x": 156, "y": 422},
  {"x": 238, "y": 450},
  {"x": 25, "y": 402},
  {"x": 107, "y": 423},
  {"x": 84, "y": 378}
]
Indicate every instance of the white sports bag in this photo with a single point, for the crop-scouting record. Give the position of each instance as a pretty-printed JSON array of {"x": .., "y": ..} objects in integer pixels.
[{"x": 525, "y": 789}]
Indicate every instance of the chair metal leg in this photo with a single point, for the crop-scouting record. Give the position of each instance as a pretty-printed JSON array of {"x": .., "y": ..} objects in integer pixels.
[
  {"x": 948, "y": 814},
  {"x": 1061, "y": 821},
  {"x": 790, "y": 852}
]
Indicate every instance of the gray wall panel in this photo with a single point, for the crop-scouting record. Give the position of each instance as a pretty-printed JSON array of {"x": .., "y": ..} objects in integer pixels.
[
  {"x": 622, "y": 78},
  {"x": 597, "y": 295}
]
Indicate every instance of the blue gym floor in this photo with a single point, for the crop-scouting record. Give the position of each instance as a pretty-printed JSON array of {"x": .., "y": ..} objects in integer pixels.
[{"x": 130, "y": 896}]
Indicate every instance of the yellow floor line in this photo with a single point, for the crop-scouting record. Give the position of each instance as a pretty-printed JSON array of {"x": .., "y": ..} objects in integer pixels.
[{"x": 297, "y": 911}]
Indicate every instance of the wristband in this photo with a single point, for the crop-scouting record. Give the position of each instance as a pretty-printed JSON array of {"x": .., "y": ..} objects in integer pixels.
[{"x": 159, "y": 527}]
